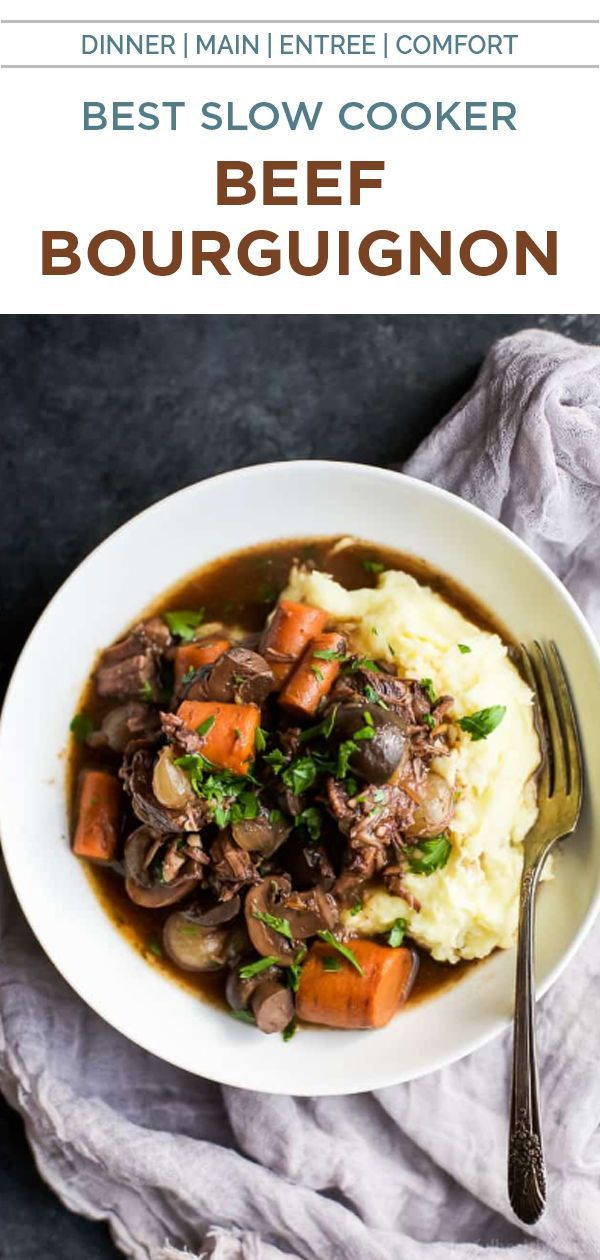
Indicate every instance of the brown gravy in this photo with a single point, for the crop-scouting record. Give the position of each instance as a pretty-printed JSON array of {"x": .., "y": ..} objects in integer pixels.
[{"x": 240, "y": 589}]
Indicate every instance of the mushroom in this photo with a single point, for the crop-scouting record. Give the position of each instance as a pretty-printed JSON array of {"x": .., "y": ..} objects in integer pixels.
[
  {"x": 301, "y": 915},
  {"x": 215, "y": 914},
  {"x": 261, "y": 835},
  {"x": 195, "y": 946},
  {"x": 265, "y": 900},
  {"x": 435, "y": 807},
  {"x": 240, "y": 676},
  {"x": 272, "y": 1006},
  {"x": 374, "y": 759},
  {"x": 309, "y": 912},
  {"x": 141, "y": 847},
  {"x": 238, "y": 992}
]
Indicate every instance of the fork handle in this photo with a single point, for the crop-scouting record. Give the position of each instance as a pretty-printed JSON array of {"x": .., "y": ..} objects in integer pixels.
[{"x": 526, "y": 1171}]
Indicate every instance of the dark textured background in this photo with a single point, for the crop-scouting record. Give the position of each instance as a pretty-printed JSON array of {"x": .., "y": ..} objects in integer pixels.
[{"x": 103, "y": 415}]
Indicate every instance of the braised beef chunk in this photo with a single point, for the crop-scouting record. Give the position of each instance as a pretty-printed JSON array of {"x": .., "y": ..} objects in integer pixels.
[
  {"x": 131, "y": 666},
  {"x": 129, "y": 676},
  {"x": 231, "y": 867},
  {"x": 263, "y": 847},
  {"x": 241, "y": 677}
]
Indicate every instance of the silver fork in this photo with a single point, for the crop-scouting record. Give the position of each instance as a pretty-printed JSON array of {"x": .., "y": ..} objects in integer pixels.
[{"x": 559, "y": 803}]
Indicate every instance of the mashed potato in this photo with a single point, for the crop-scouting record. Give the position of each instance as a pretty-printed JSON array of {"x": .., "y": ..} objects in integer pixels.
[{"x": 470, "y": 906}]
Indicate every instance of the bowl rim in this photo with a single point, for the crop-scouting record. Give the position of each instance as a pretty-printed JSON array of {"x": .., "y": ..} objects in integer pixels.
[{"x": 379, "y": 1079}]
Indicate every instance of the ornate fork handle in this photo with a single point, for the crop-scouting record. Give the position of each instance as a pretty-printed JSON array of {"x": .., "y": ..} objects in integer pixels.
[{"x": 526, "y": 1171}]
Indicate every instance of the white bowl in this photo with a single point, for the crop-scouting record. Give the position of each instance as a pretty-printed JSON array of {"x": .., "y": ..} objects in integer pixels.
[{"x": 109, "y": 590}]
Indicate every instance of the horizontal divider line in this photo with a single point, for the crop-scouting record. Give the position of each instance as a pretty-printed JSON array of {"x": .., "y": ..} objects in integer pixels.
[
  {"x": 385, "y": 65},
  {"x": 299, "y": 22}
]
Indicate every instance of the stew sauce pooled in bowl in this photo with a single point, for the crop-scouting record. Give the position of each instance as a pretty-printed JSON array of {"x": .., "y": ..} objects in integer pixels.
[{"x": 301, "y": 783}]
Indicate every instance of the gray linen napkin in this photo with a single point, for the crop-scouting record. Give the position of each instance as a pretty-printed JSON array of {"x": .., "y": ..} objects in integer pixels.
[{"x": 178, "y": 1165}]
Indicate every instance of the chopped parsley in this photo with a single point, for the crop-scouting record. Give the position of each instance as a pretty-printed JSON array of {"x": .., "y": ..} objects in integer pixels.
[
  {"x": 429, "y": 720},
  {"x": 318, "y": 673},
  {"x": 290, "y": 1031},
  {"x": 356, "y": 908},
  {"x": 312, "y": 819},
  {"x": 184, "y": 622},
  {"x": 395, "y": 935},
  {"x": 330, "y": 654},
  {"x": 275, "y": 759},
  {"x": 260, "y": 739},
  {"x": 346, "y": 953},
  {"x": 463, "y": 648},
  {"x": 300, "y": 775},
  {"x": 481, "y": 724},
  {"x": 245, "y": 1017},
  {"x": 372, "y": 566},
  {"x": 432, "y": 855},
  {"x": 329, "y": 963},
  {"x": 361, "y": 662},
  {"x": 255, "y": 968},
  {"x": 187, "y": 677},
  {"x": 146, "y": 691},
  {"x": 294, "y": 971},
  {"x": 429, "y": 689},
  {"x": 230, "y": 796},
  {"x": 81, "y": 726},
  {"x": 206, "y": 726},
  {"x": 374, "y": 698},
  {"x": 155, "y": 946},
  {"x": 323, "y": 728},
  {"x": 273, "y": 921}
]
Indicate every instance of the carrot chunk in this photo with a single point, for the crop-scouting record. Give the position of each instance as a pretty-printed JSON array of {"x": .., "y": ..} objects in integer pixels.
[
  {"x": 343, "y": 998},
  {"x": 194, "y": 655},
  {"x": 314, "y": 677},
  {"x": 98, "y": 815},
  {"x": 285, "y": 638},
  {"x": 228, "y": 731}
]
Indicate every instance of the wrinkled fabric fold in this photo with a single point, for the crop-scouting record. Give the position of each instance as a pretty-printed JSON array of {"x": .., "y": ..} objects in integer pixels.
[{"x": 178, "y": 1166}]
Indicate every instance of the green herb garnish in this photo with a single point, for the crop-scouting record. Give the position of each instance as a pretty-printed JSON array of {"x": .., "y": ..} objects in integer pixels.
[
  {"x": 346, "y": 953},
  {"x": 372, "y": 566},
  {"x": 312, "y": 819},
  {"x": 184, "y": 622},
  {"x": 374, "y": 698},
  {"x": 464, "y": 648},
  {"x": 273, "y": 921},
  {"x": 433, "y": 855},
  {"x": 295, "y": 969},
  {"x": 429, "y": 720},
  {"x": 329, "y": 963},
  {"x": 330, "y": 654},
  {"x": 245, "y": 1017},
  {"x": 481, "y": 724},
  {"x": 300, "y": 775},
  {"x": 395, "y": 935},
  {"x": 229, "y": 795},
  {"x": 323, "y": 728},
  {"x": 146, "y": 691},
  {"x": 318, "y": 673},
  {"x": 356, "y": 908},
  {"x": 206, "y": 726},
  {"x": 429, "y": 689},
  {"x": 260, "y": 739},
  {"x": 81, "y": 726},
  {"x": 255, "y": 968},
  {"x": 155, "y": 947},
  {"x": 290, "y": 1031}
]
